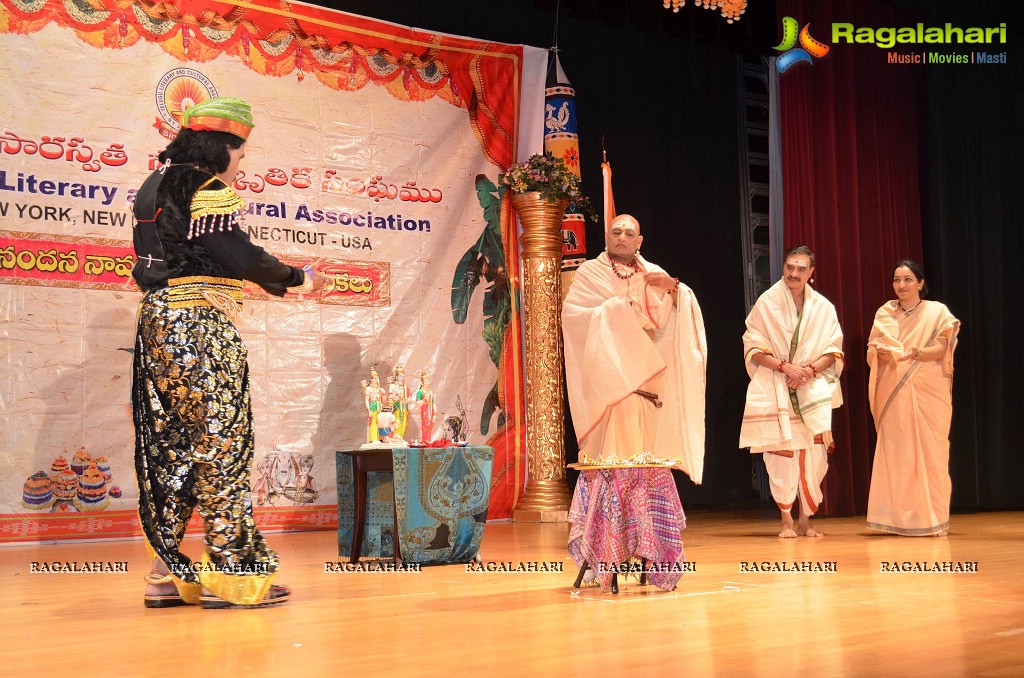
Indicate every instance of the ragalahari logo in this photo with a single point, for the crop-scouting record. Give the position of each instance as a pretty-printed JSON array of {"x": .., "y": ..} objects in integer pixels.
[{"x": 808, "y": 50}]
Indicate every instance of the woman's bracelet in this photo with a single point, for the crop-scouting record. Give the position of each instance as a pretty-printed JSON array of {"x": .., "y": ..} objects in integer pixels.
[{"x": 782, "y": 364}]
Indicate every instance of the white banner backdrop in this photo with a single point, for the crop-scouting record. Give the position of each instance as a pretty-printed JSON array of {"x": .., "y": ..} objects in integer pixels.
[{"x": 361, "y": 153}]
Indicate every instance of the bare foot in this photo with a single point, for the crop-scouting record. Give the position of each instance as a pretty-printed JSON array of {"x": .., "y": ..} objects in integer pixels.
[
  {"x": 787, "y": 525},
  {"x": 805, "y": 530},
  {"x": 944, "y": 533}
]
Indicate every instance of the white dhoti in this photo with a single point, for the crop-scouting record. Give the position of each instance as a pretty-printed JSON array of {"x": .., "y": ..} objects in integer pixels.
[{"x": 800, "y": 475}]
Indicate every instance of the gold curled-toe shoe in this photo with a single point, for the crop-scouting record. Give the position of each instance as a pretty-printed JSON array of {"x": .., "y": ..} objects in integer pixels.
[{"x": 275, "y": 596}]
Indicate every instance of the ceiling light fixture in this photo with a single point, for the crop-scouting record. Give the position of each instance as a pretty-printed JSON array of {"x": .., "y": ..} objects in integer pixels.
[{"x": 731, "y": 9}]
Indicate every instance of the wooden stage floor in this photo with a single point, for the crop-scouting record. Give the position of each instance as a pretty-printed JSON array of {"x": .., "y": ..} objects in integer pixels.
[{"x": 445, "y": 621}]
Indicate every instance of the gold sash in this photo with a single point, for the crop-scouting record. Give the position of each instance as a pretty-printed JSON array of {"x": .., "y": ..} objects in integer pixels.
[{"x": 195, "y": 291}]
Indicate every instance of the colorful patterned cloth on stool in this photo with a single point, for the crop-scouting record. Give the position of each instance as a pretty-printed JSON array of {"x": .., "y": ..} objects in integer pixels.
[
  {"x": 442, "y": 495},
  {"x": 619, "y": 514}
]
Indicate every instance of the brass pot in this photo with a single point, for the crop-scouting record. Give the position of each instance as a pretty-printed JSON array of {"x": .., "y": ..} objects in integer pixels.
[{"x": 542, "y": 223}]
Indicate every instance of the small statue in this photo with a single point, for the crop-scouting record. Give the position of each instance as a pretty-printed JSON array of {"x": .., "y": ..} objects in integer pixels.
[
  {"x": 386, "y": 422},
  {"x": 373, "y": 397},
  {"x": 399, "y": 395},
  {"x": 453, "y": 427},
  {"x": 428, "y": 410}
]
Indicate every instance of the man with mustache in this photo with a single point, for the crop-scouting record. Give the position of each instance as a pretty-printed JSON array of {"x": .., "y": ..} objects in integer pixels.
[{"x": 793, "y": 352}]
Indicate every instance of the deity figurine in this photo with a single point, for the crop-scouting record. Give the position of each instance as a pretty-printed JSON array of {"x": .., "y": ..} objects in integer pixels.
[
  {"x": 399, "y": 395},
  {"x": 428, "y": 410},
  {"x": 386, "y": 423},
  {"x": 373, "y": 396},
  {"x": 453, "y": 427}
]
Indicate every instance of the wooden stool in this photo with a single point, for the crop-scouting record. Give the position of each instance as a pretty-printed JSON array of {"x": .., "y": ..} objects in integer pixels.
[
  {"x": 615, "y": 575},
  {"x": 364, "y": 461}
]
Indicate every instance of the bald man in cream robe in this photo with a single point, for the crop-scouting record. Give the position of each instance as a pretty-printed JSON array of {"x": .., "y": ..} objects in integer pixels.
[{"x": 635, "y": 358}]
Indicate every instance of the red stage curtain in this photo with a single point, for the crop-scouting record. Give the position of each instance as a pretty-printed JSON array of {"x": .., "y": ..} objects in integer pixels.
[{"x": 851, "y": 191}]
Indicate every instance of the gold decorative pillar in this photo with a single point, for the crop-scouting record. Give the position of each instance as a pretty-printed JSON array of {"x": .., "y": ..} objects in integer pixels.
[{"x": 546, "y": 499}]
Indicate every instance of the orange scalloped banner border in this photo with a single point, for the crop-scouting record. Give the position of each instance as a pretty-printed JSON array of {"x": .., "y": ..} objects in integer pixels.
[{"x": 345, "y": 52}]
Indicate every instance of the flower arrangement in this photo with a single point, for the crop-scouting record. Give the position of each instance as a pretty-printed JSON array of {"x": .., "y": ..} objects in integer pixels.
[{"x": 550, "y": 177}]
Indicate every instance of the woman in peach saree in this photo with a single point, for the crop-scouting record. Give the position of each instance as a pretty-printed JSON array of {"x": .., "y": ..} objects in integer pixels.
[{"x": 910, "y": 353}]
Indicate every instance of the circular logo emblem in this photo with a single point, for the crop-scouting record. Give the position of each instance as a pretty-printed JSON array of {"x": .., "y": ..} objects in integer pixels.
[{"x": 179, "y": 89}]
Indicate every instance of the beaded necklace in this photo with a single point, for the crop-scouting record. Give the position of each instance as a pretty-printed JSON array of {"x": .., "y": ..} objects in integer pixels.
[
  {"x": 905, "y": 311},
  {"x": 633, "y": 265}
]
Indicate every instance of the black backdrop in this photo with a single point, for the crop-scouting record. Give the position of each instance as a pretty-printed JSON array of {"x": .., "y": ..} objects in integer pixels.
[
  {"x": 660, "y": 87},
  {"x": 972, "y": 207}
]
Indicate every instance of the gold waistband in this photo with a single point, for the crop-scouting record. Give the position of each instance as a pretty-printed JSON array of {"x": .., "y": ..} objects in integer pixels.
[{"x": 199, "y": 290}]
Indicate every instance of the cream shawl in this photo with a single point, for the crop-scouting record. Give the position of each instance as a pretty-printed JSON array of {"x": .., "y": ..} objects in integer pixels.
[
  {"x": 895, "y": 330},
  {"x": 769, "y": 413},
  {"x": 609, "y": 354}
]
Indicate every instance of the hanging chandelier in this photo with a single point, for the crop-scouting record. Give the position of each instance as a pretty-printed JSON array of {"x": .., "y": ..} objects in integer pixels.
[{"x": 731, "y": 9}]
